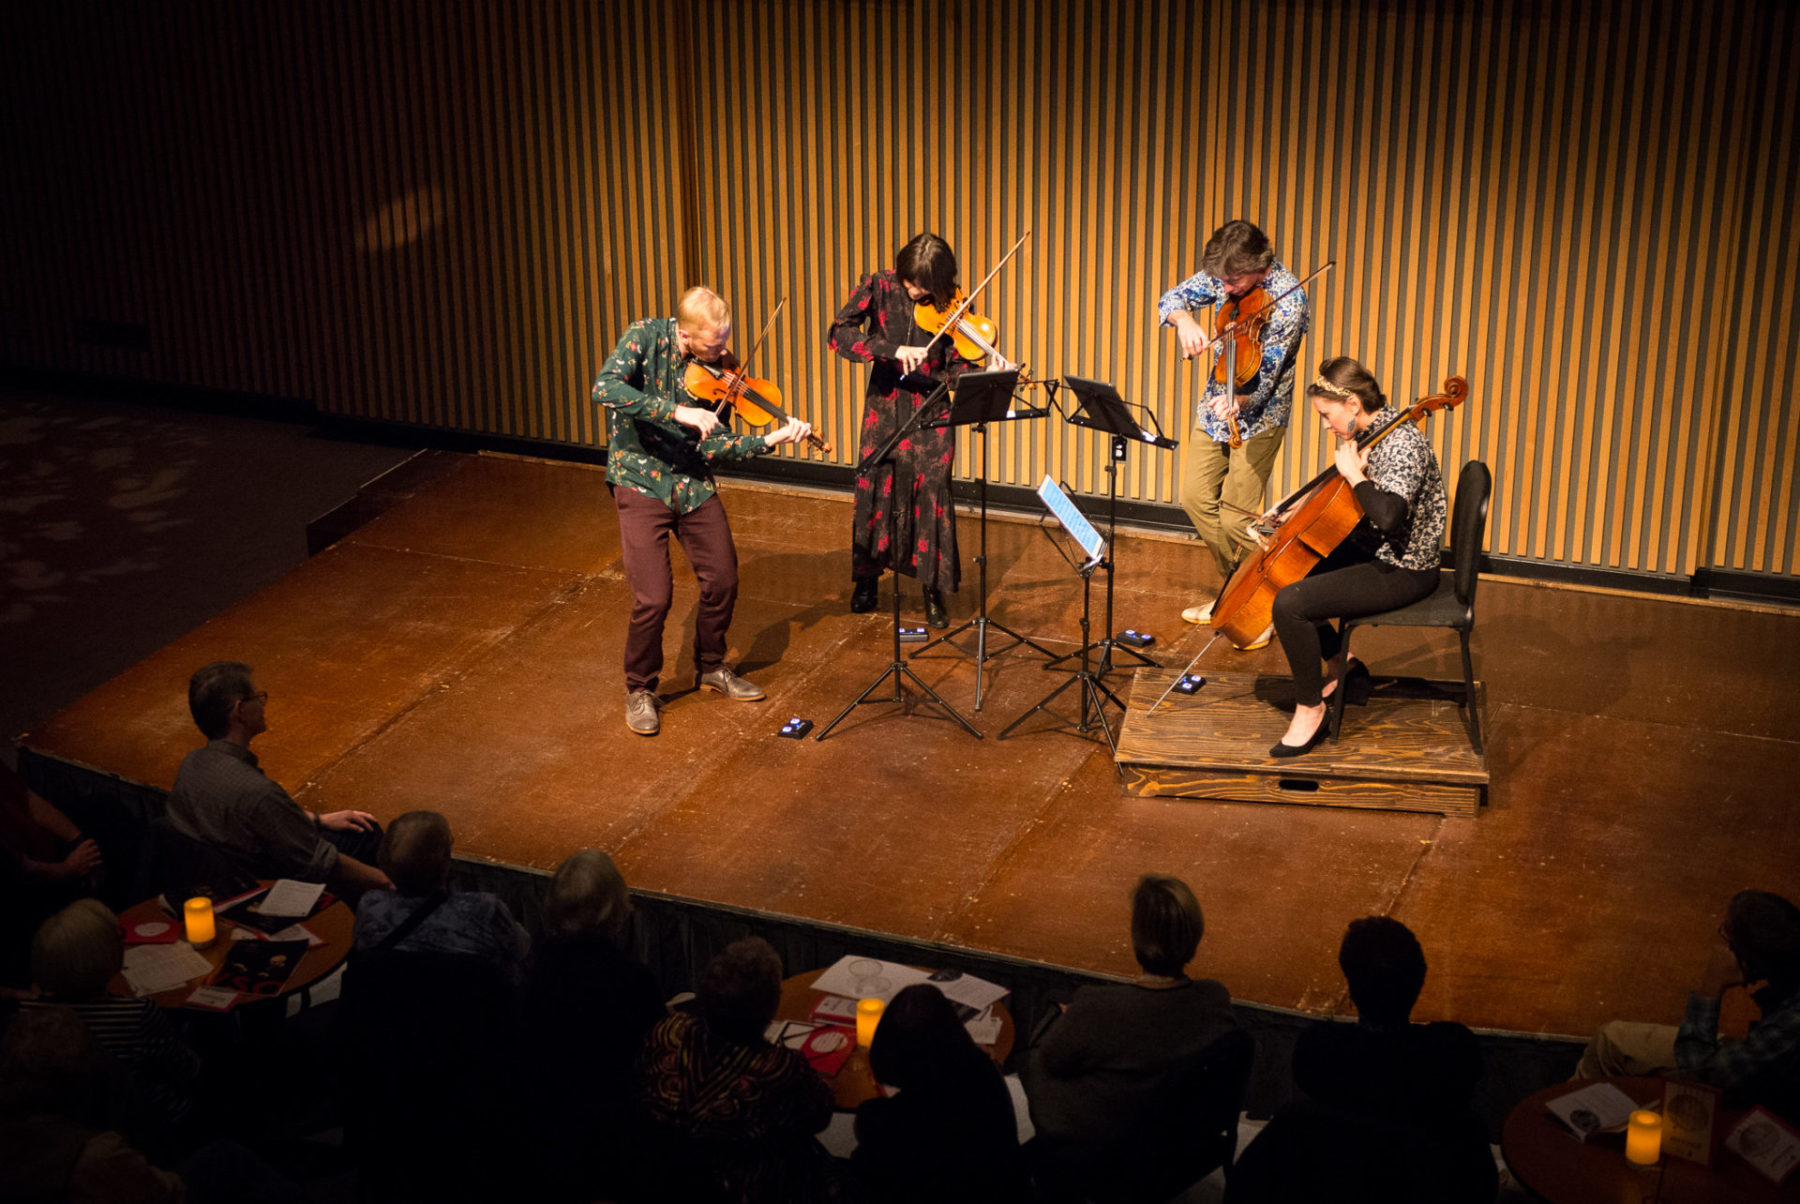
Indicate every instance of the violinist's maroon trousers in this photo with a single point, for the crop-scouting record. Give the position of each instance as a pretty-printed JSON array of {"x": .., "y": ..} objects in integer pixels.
[{"x": 645, "y": 525}]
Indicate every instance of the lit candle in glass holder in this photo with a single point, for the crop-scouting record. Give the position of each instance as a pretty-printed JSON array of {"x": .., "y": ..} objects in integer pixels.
[
  {"x": 199, "y": 918},
  {"x": 1643, "y": 1137},
  {"x": 868, "y": 1015}
]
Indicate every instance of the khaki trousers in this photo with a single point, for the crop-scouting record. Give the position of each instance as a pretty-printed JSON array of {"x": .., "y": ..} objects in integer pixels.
[
  {"x": 1214, "y": 472},
  {"x": 1628, "y": 1047}
]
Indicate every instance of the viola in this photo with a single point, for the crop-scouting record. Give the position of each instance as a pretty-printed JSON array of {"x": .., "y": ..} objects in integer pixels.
[
  {"x": 1237, "y": 333},
  {"x": 1241, "y": 320},
  {"x": 1238, "y": 328},
  {"x": 1317, "y": 517},
  {"x": 971, "y": 334},
  {"x": 724, "y": 385}
]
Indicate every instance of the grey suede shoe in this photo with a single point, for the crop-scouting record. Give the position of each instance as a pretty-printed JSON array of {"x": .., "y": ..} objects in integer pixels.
[
  {"x": 723, "y": 681},
  {"x": 641, "y": 713}
]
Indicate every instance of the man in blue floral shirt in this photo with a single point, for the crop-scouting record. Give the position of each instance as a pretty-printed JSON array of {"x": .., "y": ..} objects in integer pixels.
[
  {"x": 1222, "y": 485},
  {"x": 659, "y": 464}
]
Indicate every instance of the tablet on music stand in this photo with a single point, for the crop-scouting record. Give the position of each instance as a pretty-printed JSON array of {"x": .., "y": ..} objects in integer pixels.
[{"x": 1073, "y": 521}]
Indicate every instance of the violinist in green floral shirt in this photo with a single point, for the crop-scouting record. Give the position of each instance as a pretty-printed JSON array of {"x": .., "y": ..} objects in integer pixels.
[{"x": 659, "y": 466}]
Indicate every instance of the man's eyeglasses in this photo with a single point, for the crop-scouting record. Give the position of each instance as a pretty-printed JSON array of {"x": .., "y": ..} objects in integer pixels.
[{"x": 259, "y": 696}]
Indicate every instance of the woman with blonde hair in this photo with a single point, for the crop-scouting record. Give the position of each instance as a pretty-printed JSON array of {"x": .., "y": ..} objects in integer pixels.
[{"x": 73, "y": 958}]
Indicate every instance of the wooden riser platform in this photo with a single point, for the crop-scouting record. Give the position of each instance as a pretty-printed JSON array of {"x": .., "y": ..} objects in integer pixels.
[{"x": 1407, "y": 750}]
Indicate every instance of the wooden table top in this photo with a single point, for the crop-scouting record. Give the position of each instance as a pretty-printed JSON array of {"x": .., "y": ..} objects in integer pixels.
[
  {"x": 1547, "y": 1160},
  {"x": 335, "y": 926},
  {"x": 853, "y": 1083}
]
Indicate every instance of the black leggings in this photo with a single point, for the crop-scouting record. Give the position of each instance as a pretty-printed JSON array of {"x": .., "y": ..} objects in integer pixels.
[{"x": 1345, "y": 585}]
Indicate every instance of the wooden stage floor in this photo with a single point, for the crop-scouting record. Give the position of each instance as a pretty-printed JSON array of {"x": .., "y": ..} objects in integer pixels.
[{"x": 462, "y": 652}]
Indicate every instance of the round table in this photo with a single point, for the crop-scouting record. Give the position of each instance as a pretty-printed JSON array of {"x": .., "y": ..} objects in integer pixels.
[
  {"x": 853, "y": 1083},
  {"x": 1548, "y": 1162},
  {"x": 335, "y": 926}
]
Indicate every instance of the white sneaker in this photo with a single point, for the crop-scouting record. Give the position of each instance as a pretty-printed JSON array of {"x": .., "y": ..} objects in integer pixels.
[
  {"x": 1261, "y": 641},
  {"x": 1200, "y": 614}
]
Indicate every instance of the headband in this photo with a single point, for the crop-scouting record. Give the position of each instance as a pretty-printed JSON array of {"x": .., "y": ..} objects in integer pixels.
[{"x": 1321, "y": 385}]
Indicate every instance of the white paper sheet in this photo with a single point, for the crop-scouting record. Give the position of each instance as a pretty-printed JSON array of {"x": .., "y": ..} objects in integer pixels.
[
  {"x": 218, "y": 999},
  {"x": 867, "y": 978},
  {"x": 290, "y": 898},
  {"x": 1596, "y": 1108},
  {"x": 153, "y": 968},
  {"x": 984, "y": 1029},
  {"x": 966, "y": 989}
]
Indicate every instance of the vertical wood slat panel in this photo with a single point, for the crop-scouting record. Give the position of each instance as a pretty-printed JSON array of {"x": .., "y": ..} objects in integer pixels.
[{"x": 1531, "y": 194}]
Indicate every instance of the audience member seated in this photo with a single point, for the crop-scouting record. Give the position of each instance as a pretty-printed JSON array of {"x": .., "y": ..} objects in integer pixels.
[
  {"x": 949, "y": 1134},
  {"x": 1105, "y": 1072},
  {"x": 55, "y": 1142},
  {"x": 221, "y": 797},
  {"x": 587, "y": 1009},
  {"x": 73, "y": 958},
  {"x": 46, "y": 863},
  {"x": 1759, "y": 943},
  {"x": 415, "y": 855},
  {"x": 737, "y": 1115},
  {"x": 427, "y": 1029},
  {"x": 1388, "y": 1113}
]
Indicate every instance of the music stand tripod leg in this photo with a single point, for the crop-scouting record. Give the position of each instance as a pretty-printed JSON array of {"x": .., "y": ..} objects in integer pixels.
[
  {"x": 1092, "y": 688},
  {"x": 980, "y": 623},
  {"x": 897, "y": 667},
  {"x": 1106, "y": 644}
]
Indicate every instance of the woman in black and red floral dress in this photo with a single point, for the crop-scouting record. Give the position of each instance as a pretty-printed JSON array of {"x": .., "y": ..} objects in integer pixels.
[{"x": 876, "y": 326}]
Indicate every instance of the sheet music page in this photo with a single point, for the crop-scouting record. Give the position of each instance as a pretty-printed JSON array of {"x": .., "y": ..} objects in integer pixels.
[{"x": 153, "y": 968}]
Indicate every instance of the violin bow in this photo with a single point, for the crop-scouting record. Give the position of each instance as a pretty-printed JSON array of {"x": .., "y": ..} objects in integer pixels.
[
  {"x": 743, "y": 368},
  {"x": 968, "y": 301}
]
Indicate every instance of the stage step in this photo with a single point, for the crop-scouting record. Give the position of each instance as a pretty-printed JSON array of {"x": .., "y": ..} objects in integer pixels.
[{"x": 1407, "y": 750}]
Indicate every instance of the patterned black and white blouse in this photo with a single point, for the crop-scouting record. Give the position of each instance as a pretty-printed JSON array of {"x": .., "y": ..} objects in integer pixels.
[{"x": 1404, "y": 465}]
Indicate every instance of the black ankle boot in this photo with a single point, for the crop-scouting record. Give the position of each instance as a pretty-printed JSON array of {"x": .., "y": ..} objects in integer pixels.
[
  {"x": 864, "y": 596},
  {"x": 935, "y": 614}
]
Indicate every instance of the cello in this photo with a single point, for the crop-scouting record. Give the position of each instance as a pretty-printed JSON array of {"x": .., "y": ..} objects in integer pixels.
[{"x": 1318, "y": 517}]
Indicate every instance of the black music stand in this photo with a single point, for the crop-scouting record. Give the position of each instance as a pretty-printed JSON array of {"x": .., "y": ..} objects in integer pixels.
[
  {"x": 981, "y": 398},
  {"x": 897, "y": 667},
  {"x": 1094, "y": 692},
  {"x": 1102, "y": 409}
]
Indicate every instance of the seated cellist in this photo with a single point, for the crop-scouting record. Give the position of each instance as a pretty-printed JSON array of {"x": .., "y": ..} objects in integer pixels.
[{"x": 1390, "y": 560}]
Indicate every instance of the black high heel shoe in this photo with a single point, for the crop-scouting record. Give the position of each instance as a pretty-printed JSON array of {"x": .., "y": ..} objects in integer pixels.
[
  {"x": 864, "y": 596},
  {"x": 1313, "y": 741}
]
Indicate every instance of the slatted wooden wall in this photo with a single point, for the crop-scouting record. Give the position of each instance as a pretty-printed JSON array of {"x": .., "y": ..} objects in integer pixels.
[{"x": 443, "y": 211}]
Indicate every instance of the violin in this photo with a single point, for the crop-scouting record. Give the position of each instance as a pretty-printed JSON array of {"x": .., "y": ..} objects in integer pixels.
[
  {"x": 971, "y": 334},
  {"x": 724, "y": 385},
  {"x": 1324, "y": 512}
]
